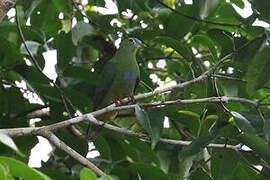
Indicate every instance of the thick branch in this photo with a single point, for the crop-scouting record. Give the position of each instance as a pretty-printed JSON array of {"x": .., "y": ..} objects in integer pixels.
[
  {"x": 61, "y": 145},
  {"x": 90, "y": 116},
  {"x": 5, "y": 6}
]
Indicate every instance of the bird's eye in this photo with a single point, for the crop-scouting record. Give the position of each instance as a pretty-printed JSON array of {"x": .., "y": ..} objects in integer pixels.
[{"x": 131, "y": 40}]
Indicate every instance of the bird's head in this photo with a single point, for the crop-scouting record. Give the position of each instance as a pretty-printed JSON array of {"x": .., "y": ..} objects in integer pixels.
[{"x": 131, "y": 43}]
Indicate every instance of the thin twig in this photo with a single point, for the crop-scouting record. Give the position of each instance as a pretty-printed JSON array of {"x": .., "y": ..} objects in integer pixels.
[
  {"x": 228, "y": 77},
  {"x": 196, "y": 18},
  {"x": 64, "y": 99}
]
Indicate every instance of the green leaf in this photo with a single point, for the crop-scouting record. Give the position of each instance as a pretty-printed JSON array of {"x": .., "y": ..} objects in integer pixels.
[
  {"x": 45, "y": 16},
  {"x": 147, "y": 171},
  {"x": 3, "y": 172},
  {"x": 63, "y": 6},
  {"x": 80, "y": 30},
  {"x": 206, "y": 7},
  {"x": 6, "y": 140},
  {"x": 257, "y": 73},
  {"x": 263, "y": 8},
  {"x": 32, "y": 46},
  {"x": 207, "y": 42},
  {"x": 82, "y": 74},
  {"x": 243, "y": 123},
  {"x": 174, "y": 21},
  {"x": 143, "y": 119},
  {"x": 246, "y": 172},
  {"x": 239, "y": 3},
  {"x": 182, "y": 49},
  {"x": 228, "y": 164},
  {"x": 87, "y": 174},
  {"x": 156, "y": 118},
  {"x": 266, "y": 128},
  {"x": 196, "y": 146},
  {"x": 103, "y": 148},
  {"x": 105, "y": 178},
  {"x": 257, "y": 144},
  {"x": 145, "y": 150},
  {"x": 190, "y": 113},
  {"x": 151, "y": 121},
  {"x": 19, "y": 169},
  {"x": 65, "y": 51},
  {"x": 202, "y": 141}
]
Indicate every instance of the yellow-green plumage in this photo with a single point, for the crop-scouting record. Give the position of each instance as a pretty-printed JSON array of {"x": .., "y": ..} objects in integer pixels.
[{"x": 118, "y": 78}]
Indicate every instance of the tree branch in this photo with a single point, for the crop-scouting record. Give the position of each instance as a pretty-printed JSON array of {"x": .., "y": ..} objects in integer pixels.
[{"x": 61, "y": 145}]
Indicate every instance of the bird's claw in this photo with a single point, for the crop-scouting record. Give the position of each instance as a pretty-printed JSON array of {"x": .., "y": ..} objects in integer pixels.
[
  {"x": 117, "y": 102},
  {"x": 132, "y": 99}
]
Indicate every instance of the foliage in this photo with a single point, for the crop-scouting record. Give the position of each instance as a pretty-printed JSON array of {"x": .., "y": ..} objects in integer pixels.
[{"x": 188, "y": 39}]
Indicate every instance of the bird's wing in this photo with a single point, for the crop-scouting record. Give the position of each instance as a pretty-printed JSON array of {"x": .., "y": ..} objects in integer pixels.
[
  {"x": 107, "y": 77},
  {"x": 136, "y": 83}
]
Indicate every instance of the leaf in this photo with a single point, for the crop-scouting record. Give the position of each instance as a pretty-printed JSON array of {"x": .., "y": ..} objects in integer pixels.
[
  {"x": 263, "y": 8},
  {"x": 152, "y": 122},
  {"x": 6, "y": 140},
  {"x": 82, "y": 74},
  {"x": 257, "y": 144},
  {"x": 266, "y": 128},
  {"x": 143, "y": 119},
  {"x": 202, "y": 141},
  {"x": 65, "y": 51},
  {"x": 3, "y": 172},
  {"x": 105, "y": 178},
  {"x": 147, "y": 171},
  {"x": 103, "y": 147},
  {"x": 87, "y": 174},
  {"x": 147, "y": 153},
  {"x": 243, "y": 123},
  {"x": 228, "y": 164},
  {"x": 190, "y": 113},
  {"x": 207, "y": 42},
  {"x": 32, "y": 46},
  {"x": 19, "y": 169},
  {"x": 196, "y": 146},
  {"x": 182, "y": 49},
  {"x": 45, "y": 17},
  {"x": 174, "y": 21},
  {"x": 156, "y": 118},
  {"x": 206, "y": 7},
  {"x": 80, "y": 30},
  {"x": 257, "y": 73}
]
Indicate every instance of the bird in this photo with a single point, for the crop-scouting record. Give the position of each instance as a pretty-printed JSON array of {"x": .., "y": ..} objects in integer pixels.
[{"x": 118, "y": 79}]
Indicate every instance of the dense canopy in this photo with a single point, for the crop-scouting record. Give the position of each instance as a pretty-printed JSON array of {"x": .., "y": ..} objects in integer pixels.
[{"x": 202, "y": 107}]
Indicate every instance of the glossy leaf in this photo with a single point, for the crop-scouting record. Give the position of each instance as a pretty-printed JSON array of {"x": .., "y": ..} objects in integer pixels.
[
  {"x": 6, "y": 140},
  {"x": 80, "y": 30},
  {"x": 177, "y": 46},
  {"x": 87, "y": 174},
  {"x": 257, "y": 144},
  {"x": 243, "y": 123},
  {"x": 19, "y": 169},
  {"x": 257, "y": 74}
]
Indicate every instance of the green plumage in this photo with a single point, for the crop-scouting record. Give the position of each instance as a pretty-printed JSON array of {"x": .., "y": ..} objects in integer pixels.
[{"x": 118, "y": 78}]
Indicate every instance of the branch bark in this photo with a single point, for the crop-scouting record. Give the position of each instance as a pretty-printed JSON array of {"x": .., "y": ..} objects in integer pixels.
[
  {"x": 61, "y": 145},
  {"x": 5, "y": 6}
]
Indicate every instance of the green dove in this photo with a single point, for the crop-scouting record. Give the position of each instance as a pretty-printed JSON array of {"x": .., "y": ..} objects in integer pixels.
[{"x": 118, "y": 79}]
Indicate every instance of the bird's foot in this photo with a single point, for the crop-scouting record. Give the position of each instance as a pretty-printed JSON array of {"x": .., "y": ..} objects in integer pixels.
[
  {"x": 132, "y": 99},
  {"x": 117, "y": 102}
]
